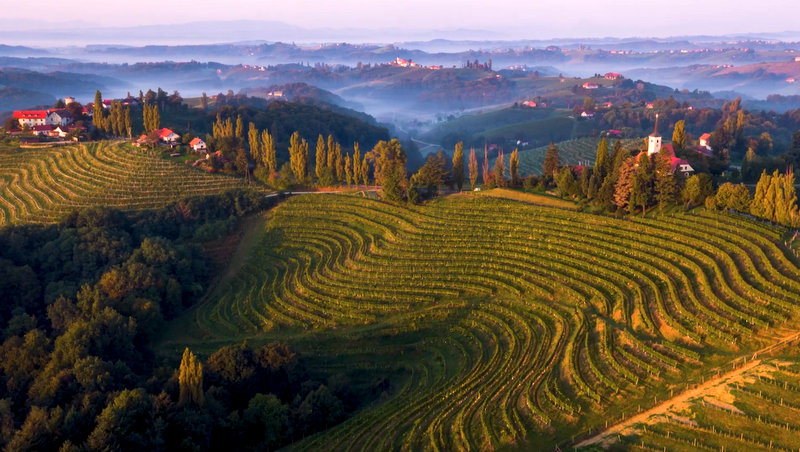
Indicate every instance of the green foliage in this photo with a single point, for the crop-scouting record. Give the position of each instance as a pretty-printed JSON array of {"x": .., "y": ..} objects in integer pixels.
[
  {"x": 432, "y": 174},
  {"x": 679, "y": 136},
  {"x": 513, "y": 165},
  {"x": 298, "y": 156},
  {"x": 551, "y": 161},
  {"x": 698, "y": 188},
  {"x": 565, "y": 182},
  {"x": 473, "y": 169},
  {"x": 190, "y": 379},
  {"x": 458, "y": 166},
  {"x": 733, "y": 197}
]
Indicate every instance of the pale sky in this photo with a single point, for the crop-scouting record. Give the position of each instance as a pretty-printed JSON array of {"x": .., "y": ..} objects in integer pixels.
[{"x": 512, "y": 18}]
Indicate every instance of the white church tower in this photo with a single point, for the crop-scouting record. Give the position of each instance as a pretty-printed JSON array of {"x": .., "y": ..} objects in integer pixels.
[{"x": 654, "y": 140}]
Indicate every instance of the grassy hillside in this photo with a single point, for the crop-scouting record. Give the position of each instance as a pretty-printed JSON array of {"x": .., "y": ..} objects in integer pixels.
[
  {"x": 571, "y": 152},
  {"x": 502, "y": 323},
  {"x": 41, "y": 185},
  {"x": 504, "y": 127}
]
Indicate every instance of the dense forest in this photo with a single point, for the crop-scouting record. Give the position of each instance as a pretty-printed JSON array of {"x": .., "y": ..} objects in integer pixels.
[{"x": 84, "y": 302}]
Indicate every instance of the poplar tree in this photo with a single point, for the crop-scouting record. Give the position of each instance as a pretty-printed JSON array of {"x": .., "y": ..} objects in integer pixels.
[
  {"x": 601, "y": 168},
  {"x": 486, "y": 179},
  {"x": 499, "y": 170},
  {"x": 357, "y": 175},
  {"x": 321, "y": 158},
  {"x": 348, "y": 169},
  {"x": 458, "y": 165},
  {"x": 339, "y": 163},
  {"x": 254, "y": 140},
  {"x": 473, "y": 168},
  {"x": 190, "y": 380},
  {"x": 298, "y": 157},
  {"x": 331, "y": 157},
  {"x": 757, "y": 206},
  {"x": 365, "y": 170},
  {"x": 239, "y": 129},
  {"x": 128, "y": 122},
  {"x": 97, "y": 110},
  {"x": 268, "y": 152},
  {"x": 513, "y": 167}
]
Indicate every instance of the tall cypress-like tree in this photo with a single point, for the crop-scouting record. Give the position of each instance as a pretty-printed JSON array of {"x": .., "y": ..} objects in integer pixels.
[
  {"x": 331, "y": 156},
  {"x": 499, "y": 170},
  {"x": 254, "y": 140},
  {"x": 357, "y": 177},
  {"x": 757, "y": 206},
  {"x": 339, "y": 168},
  {"x": 268, "y": 152},
  {"x": 513, "y": 167},
  {"x": 321, "y": 158},
  {"x": 365, "y": 169},
  {"x": 458, "y": 165},
  {"x": 298, "y": 157},
  {"x": 641, "y": 185},
  {"x": 97, "y": 110},
  {"x": 551, "y": 162},
  {"x": 128, "y": 122},
  {"x": 679, "y": 136},
  {"x": 190, "y": 380},
  {"x": 348, "y": 169},
  {"x": 486, "y": 176},
  {"x": 666, "y": 186},
  {"x": 240, "y": 129},
  {"x": 473, "y": 168},
  {"x": 622, "y": 188}
]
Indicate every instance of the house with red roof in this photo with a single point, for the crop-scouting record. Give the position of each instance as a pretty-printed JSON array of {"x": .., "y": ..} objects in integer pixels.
[
  {"x": 42, "y": 130},
  {"x": 31, "y": 118},
  {"x": 612, "y": 76},
  {"x": 198, "y": 145},
  {"x": 590, "y": 85},
  {"x": 168, "y": 136},
  {"x": 704, "y": 140}
]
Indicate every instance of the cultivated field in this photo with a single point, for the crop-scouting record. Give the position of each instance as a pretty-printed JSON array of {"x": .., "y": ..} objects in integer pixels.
[
  {"x": 571, "y": 152},
  {"x": 41, "y": 185},
  {"x": 503, "y": 324}
]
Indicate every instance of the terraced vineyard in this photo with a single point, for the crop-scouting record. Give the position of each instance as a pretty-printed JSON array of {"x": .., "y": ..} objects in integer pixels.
[
  {"x": 503, "y": 324},
  {"x": 41, "y": 185},
  {"x": 759, "y": 411},
  {"x": 571, "y": 152}
]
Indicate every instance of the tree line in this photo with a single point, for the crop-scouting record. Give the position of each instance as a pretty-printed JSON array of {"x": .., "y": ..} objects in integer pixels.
[{"x": 83, "y": 302}]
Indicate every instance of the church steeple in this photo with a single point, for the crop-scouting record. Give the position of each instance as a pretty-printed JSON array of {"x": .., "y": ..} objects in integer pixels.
[
  {"x": 654, "y": 140},
  {"x": 655, "y": 129}
]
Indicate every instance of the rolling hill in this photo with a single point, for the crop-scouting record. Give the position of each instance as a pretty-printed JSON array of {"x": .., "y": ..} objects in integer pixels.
[
  {"x": 42, "y": 185},
  {"x": 504, "y": 324}
]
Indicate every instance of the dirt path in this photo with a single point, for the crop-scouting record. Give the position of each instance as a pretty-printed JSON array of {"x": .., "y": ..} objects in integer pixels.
[{"x": 607, "y": 436}]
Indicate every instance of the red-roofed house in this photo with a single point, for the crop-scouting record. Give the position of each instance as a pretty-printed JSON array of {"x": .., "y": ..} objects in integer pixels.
[
  {"x": 31, "y": 118},
  {"x": 704, "y": 140},
  {"x": 198, "y": 145},
  {"x": 676, "y": 164},
  {"x": 168, "y": 136},
  {"x": 42, "y": 130},
  {"x": 612, "y": 75},
  {"x": 590, "y": 85}
]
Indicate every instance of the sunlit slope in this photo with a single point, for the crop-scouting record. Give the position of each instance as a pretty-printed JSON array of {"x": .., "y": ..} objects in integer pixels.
[
  {"x": 41, "y": 185},
  {"x": 504, "y": 323}
]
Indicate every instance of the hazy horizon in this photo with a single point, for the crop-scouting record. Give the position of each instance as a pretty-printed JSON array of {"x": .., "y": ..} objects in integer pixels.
[{"x": 383, "y": 22}]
